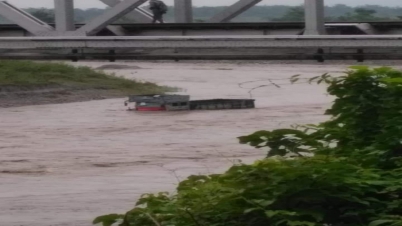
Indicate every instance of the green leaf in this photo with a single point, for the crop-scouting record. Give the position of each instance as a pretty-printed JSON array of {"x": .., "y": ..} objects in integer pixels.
[
  {"x": 392, "y": 80},
  {"x": 383, "y": 70},
  {"x": 251, "y": 210},
  {"x": 313, "y": 79},
  {"x": 108, "y": 220},
  {"x": 380, "y": 222},
  {"x": 263, "y": 202},
  {"x": 294, "y": 80},
  {"x": 300, "y": 223},
  {"x": 272, "y": 213}
]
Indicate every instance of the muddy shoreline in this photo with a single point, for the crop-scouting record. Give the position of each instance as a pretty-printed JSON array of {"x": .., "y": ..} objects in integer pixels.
[
  {"x": 38, "y": 83},
  {"x": 12, "y": 96}
]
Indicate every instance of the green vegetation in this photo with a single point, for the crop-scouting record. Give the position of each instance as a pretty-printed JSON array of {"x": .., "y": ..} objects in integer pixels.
[
  {"x": 359, "y": 14},
  {"x": 46, "y": 15},
  {"x": 29, "y": 74},
  {"x": 343, "y": 172},
  {"x": 256, "y": 14}
]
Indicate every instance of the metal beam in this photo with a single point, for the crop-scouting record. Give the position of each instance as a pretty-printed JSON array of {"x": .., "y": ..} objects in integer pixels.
[
  {"x": 117, "y": 30},
  {"x": 64, "y": 13},
  {"x": 219, "y": 29},
  {"x": 138, "y": 15},
  {"x": 276, "y": 42},
  {"x": 183, "y": 11},
  {"x": 24, "y": 19},
  {"x": 367, "y": 28},
  {"x": 233, "y": 11},
  {"x": 314, "y": 16},
  {"x": 102, "y": 21}
]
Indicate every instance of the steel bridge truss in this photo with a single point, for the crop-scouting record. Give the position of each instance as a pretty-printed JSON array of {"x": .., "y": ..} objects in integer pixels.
[{"x": 64, "y": 12}]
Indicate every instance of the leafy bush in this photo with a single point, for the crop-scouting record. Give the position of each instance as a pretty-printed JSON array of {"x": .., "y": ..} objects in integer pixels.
[
  {"x": 343, "y": 172},
  {"x": 366, "y": 121}
]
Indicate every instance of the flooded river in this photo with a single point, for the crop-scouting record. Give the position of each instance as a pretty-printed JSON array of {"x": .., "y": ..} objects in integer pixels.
[{"x": 64, "y": 164}]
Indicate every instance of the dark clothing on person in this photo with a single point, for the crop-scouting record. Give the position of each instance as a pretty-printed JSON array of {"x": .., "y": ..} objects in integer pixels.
[
  {"x": 157, "y": 16},
  {"x": 158, "y": 8}
]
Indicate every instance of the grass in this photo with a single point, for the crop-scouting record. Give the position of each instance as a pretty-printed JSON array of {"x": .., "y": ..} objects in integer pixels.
[{"x": 28, "y": 74}]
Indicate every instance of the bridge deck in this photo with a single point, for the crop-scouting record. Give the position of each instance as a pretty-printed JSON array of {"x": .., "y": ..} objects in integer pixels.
[
  {"x": 260, "y": 25},
  {"x": 152, "y": 42},
  {"x": 213, "y": 29},
  {"x": 358, "y": 47}
]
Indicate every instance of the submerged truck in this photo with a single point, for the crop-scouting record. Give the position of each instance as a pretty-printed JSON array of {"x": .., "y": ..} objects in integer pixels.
[{"x": 183, "y": 103}]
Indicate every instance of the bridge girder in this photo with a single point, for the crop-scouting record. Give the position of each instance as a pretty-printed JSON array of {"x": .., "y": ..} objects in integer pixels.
[
  {"x": 112, "y": 14},
  {"x": 138, "y": 15},
  {"x": 64, "y": 10},
  {"x": 24, "y": 19}
]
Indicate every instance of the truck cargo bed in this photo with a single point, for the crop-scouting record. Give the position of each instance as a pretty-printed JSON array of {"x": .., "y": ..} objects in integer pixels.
[{"x": 220, "y": 104}]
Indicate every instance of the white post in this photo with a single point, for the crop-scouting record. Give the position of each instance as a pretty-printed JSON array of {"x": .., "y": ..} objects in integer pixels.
[
  {"x": 64, "y": 13},
  {"x": 183, "y": 10},
  {"x": 314, "y": 16}
]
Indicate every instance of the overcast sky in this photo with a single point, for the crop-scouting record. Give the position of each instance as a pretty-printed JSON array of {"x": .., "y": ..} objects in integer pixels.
[{"x": 98, "y": 4}]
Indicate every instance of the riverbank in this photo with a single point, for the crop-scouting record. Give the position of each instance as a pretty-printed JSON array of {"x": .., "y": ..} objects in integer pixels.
[{"x": 30, "y": 83}]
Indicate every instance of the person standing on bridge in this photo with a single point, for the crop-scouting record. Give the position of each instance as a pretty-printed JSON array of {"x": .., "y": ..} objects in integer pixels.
[{"x": 158, "y": 8}]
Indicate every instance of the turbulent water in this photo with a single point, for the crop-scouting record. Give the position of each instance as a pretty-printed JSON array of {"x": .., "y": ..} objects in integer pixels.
[{"x": 64, "y": 164}]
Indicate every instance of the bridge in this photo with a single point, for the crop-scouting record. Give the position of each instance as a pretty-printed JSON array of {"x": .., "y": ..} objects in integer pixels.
[
  {"x": 230, "y": 29},
  {"x": 218, "y": 38}
]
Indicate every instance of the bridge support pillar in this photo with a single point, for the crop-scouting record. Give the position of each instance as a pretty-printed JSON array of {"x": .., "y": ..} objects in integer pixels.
[
  {"x": 183, "y": 10},
  {"x": 64, "y": 12},
  {"x": 314, "y": 14}
]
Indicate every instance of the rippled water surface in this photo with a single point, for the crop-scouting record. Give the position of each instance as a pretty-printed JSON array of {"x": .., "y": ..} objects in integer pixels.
[{"x": 64, "y": 164}]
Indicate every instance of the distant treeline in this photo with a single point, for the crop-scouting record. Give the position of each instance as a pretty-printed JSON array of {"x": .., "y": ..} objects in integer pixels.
[{"x": 255, "y": 14}]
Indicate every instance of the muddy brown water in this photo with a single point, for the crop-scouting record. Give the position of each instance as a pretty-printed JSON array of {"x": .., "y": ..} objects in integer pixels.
[{"x": 64, "y": 164}]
